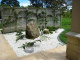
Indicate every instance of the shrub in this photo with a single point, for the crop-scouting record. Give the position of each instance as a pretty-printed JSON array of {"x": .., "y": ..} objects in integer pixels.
[
  {"x": 29, "y": 44},
  {"x": 67, "y": 14},
  {"x": 0, "y": 26},
  {"x": 52, "y": 28},
  {"x": 19, "y": 35}
]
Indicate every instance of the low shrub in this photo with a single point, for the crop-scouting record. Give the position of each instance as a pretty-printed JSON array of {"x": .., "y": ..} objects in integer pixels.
[
  {"x": 0, "y": 26},
  {"x": 19, "y": 35},
  {"x": 67, "y": 14},
  {"x": 29, "y": 44},
  {"x": 52, "y": 28}
]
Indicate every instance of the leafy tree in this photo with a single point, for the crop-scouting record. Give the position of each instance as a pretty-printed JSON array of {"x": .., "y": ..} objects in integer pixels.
[
  {"x": 10, "y": 3},
  {"x": 36, "y": 3},
  {"x": 47, "y": 3},
  {"x": 54, "y": 3},
  {"x": 67, "y": 14}
]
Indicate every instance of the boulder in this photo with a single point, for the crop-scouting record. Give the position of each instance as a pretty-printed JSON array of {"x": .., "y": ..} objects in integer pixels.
[
  {"x": 32, "y": 30},
  {"x": 46, "y": 31}
]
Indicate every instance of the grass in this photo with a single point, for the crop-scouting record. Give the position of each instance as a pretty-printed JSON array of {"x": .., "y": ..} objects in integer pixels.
[{"x": 66, "y": 24}]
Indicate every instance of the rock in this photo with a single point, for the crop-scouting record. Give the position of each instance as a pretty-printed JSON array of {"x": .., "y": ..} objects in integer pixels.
[
  {"x": 46, "y": 31},
  {"x": 32, "y": 30},
  {"x": 41, "y": 32},
  {"x": 29, "y": 49},
  {"x": 56, "y": 31}
]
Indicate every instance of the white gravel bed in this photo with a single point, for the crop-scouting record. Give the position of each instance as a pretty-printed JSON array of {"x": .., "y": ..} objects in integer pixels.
[{"x": 50, "y": 41}]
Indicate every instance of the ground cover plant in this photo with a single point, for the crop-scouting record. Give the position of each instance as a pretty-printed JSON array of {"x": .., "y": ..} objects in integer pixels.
[
  {"x": 66, "y": 24},
  {"x": 52, "y": 28}
]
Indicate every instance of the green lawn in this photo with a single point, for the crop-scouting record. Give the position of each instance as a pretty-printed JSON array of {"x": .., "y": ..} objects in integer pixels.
[{"x": 66, "y": 24}]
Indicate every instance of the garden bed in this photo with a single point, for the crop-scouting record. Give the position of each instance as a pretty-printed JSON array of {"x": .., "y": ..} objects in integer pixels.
[{"x": 49, "y": 41}]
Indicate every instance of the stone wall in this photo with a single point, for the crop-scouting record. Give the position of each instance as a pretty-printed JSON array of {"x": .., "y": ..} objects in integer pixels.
[{"x": 10, "y": 24}]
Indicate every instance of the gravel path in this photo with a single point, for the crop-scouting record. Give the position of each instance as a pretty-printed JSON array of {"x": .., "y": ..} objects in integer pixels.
[{"x": 50, "y": 41}]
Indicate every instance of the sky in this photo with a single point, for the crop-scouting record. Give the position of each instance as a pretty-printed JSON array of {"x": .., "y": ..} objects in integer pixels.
[{"x": 23, "y": 2}]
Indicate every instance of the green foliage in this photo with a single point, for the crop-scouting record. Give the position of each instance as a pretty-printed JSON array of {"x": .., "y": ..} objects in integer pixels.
[
  {"x": 42, "y": 17},
  {"x": 66, "y": 24},
  {"x": 10, "y": 3},
  {"x": 30, "y": 19},
  {"x": 3, "y": 5},
  {"x": 43, "y": 12},
  {"x": 23, "y": 46},
  {"x": 47, "y": 3},
  {"x": 38, "y": 40},
  {"x": 29, "y": 44},
  {"x": 9, "y": 21},
  {"x": 0, "y": 26},
  {"x": 31, "y": 6},
  {"x": 29, "y": 13},
  {"x": 51, "y": 32},
  {"x": 52, "y": 28},
  {"x": 49, "y": 15},
  {"x": 19, "y": 35},
  {"x": 67, "y": 14},
  {"x": 36, "y": 3},
  {"x": 55, "y": 19}
]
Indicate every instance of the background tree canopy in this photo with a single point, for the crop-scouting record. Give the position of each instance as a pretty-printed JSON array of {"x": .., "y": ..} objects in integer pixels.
[
  {"x": 10, "y": 3},
  {"x": 47, "y": 3},
  {"x": 36, "y": 3}
]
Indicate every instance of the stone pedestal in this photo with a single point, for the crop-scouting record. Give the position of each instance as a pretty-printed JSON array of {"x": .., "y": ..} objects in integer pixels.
[
  {"x": 73, "y": 37},
  {"x": 73, "y": 46}
]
